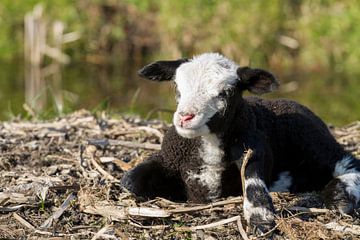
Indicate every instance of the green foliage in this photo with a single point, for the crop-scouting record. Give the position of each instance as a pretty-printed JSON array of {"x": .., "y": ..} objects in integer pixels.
[
  {"x": 12, "y": 17},
  {"x": 330, "y": 34},
  {"x": 322, "y": 55},
  {"x": 248, "y": 31}
]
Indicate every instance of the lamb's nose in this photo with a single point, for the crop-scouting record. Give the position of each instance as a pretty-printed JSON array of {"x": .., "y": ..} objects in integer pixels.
[{"x": 187, "y": 117}]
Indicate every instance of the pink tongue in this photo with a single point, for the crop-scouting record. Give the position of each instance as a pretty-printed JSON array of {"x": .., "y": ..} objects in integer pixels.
[{"x": 187, "y": 117}]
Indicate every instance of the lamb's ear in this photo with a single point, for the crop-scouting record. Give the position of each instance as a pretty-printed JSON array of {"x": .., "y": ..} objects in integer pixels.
[
  {"x": 256, "y": 80},
  {"x": 161, "y": 70}
]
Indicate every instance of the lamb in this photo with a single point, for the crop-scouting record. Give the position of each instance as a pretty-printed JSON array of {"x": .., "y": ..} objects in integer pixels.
[{"x": 214, "y": 125}]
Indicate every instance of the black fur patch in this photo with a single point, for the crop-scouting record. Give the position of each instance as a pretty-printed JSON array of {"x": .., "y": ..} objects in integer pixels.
[
  {"x": 262, "y": 226},
  {"x": 335, "y": 196},
  {"x": 161, "y": 70},
  {"x": 150, "y": 180},
  {"x": 258, "y": 196},
  {"x": 256, "y": 80}
]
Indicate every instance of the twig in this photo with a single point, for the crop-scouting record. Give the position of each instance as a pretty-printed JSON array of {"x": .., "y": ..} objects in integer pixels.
[
  {"x": 161, "y": 227},
  {"x": 101, "y": 170},
  {"x": 10, "y": 209},
  {"x": 210, "y": 225},
  {"x": 59, "y": 212},
  {"x": 57, "y": 157},
  {"x": 81, "y": 227},
  {"x": 344, "y": 229},
  {"x": 52, "y": 234},
  {"x": 247, "y": 156},
  {"x": 270, "y": 231},
  {"x": 241, "y": 229},
  {"x": 12, "y": 197},
  {"x": 112, "y": 212},
  {"x": 23, "y": 221},
  {"x": 309, "y": 210},
  {"x": 123, "y": 213},
  {"x": 75, "y": 187},
  {"x": 148, "y": 212},
  {"x": 152, "y": 131},
  {"x": 129, "y": 144},
  {"x": 279, "y": 223},
  {"x": 203, "y": 207}
]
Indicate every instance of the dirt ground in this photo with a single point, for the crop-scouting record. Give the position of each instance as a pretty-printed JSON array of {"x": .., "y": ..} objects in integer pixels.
[{"x": 60, "y": 180}]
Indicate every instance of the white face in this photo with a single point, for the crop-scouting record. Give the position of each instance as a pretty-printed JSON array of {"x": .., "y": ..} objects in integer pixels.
[{"x": 200, "y": 84}]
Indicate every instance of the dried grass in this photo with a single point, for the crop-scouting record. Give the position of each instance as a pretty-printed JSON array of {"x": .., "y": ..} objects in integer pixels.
[{"x": 59, "y": 179}]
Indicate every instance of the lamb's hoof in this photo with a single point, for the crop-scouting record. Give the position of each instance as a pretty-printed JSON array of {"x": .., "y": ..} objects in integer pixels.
[
  {"x": 337, "y": 197},
  {"x": 261, "y": 226}
]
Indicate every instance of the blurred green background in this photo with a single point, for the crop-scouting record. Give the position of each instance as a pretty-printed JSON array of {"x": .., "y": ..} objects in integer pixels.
[{"x": 311, "y": 46}]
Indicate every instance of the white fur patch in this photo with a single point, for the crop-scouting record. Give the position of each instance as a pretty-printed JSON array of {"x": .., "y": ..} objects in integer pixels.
[
  {"x": 344, "y": 166},
  {"x": 352, "y": 181},
  {"x": 250, "y": 210},
  {"x": 192, "y": 133},
  {"x": 283, "y": 183},
  {"x": 199, "y": 83},
  {"x": 256, "y": 182},
  {"x": 211, "y": 151},
  {"x": 212, "y": 169}
]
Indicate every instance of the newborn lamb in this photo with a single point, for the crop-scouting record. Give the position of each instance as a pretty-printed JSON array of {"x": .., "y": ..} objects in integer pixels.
[{"x": 214, "y": 126}]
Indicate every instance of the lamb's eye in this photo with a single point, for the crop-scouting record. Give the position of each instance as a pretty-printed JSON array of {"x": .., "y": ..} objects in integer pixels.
[
  {"x": 222, "y": 94},
  {"x": 226, "y": 93}
]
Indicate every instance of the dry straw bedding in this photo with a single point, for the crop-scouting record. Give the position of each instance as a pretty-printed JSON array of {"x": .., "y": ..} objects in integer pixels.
[{"x": 60, "y": 180}]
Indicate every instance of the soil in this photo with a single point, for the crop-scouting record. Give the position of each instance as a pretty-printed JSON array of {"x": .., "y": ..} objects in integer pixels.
[{"x": 59, "y": 179}]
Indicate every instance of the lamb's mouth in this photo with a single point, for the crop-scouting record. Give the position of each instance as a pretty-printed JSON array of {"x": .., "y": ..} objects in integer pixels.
[{"x": 193, "y": 131}]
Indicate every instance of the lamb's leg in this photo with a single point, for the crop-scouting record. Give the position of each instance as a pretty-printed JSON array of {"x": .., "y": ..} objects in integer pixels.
[
  {"x": 258, "y": 207},
  {"x": 343, "y": 191},
  {"x": 150, "y": 179}
]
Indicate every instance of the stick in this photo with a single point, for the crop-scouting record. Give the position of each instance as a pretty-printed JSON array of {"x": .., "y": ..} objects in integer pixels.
[
  {"x": 59, "y": 212},
  {"x": 11, "y": 209},
  {"x": 52, "y": 234},
  {"x": 203, "y": 207},
  {"x": 74, "y": 187},
  {"x": 309, "y": 210},
  {"x": 210, "y": 225},
  {"x": 102, "y": 171},
  {"x": 56, "y": 157},
  {"x": 279, "y": 223},
  {"x": 247, "y": 156},
  {"x": 129, "y": 144},
  {"x": 151, "y": 212},
  {"x": 152, "y": 131},
  {"x": 148, "y": 212},
  {"x": 161, "y": 227},
  {"x": 23, "y": 221},
  {"x": 241, "y": 229},
  {"x": 112, "y": 212},
  {"x": 105, "y": 142},
  {"x": 344, "y": 229}
]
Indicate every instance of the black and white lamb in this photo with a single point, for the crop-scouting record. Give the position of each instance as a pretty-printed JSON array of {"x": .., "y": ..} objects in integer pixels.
[{"x": 214, "y": 125}]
